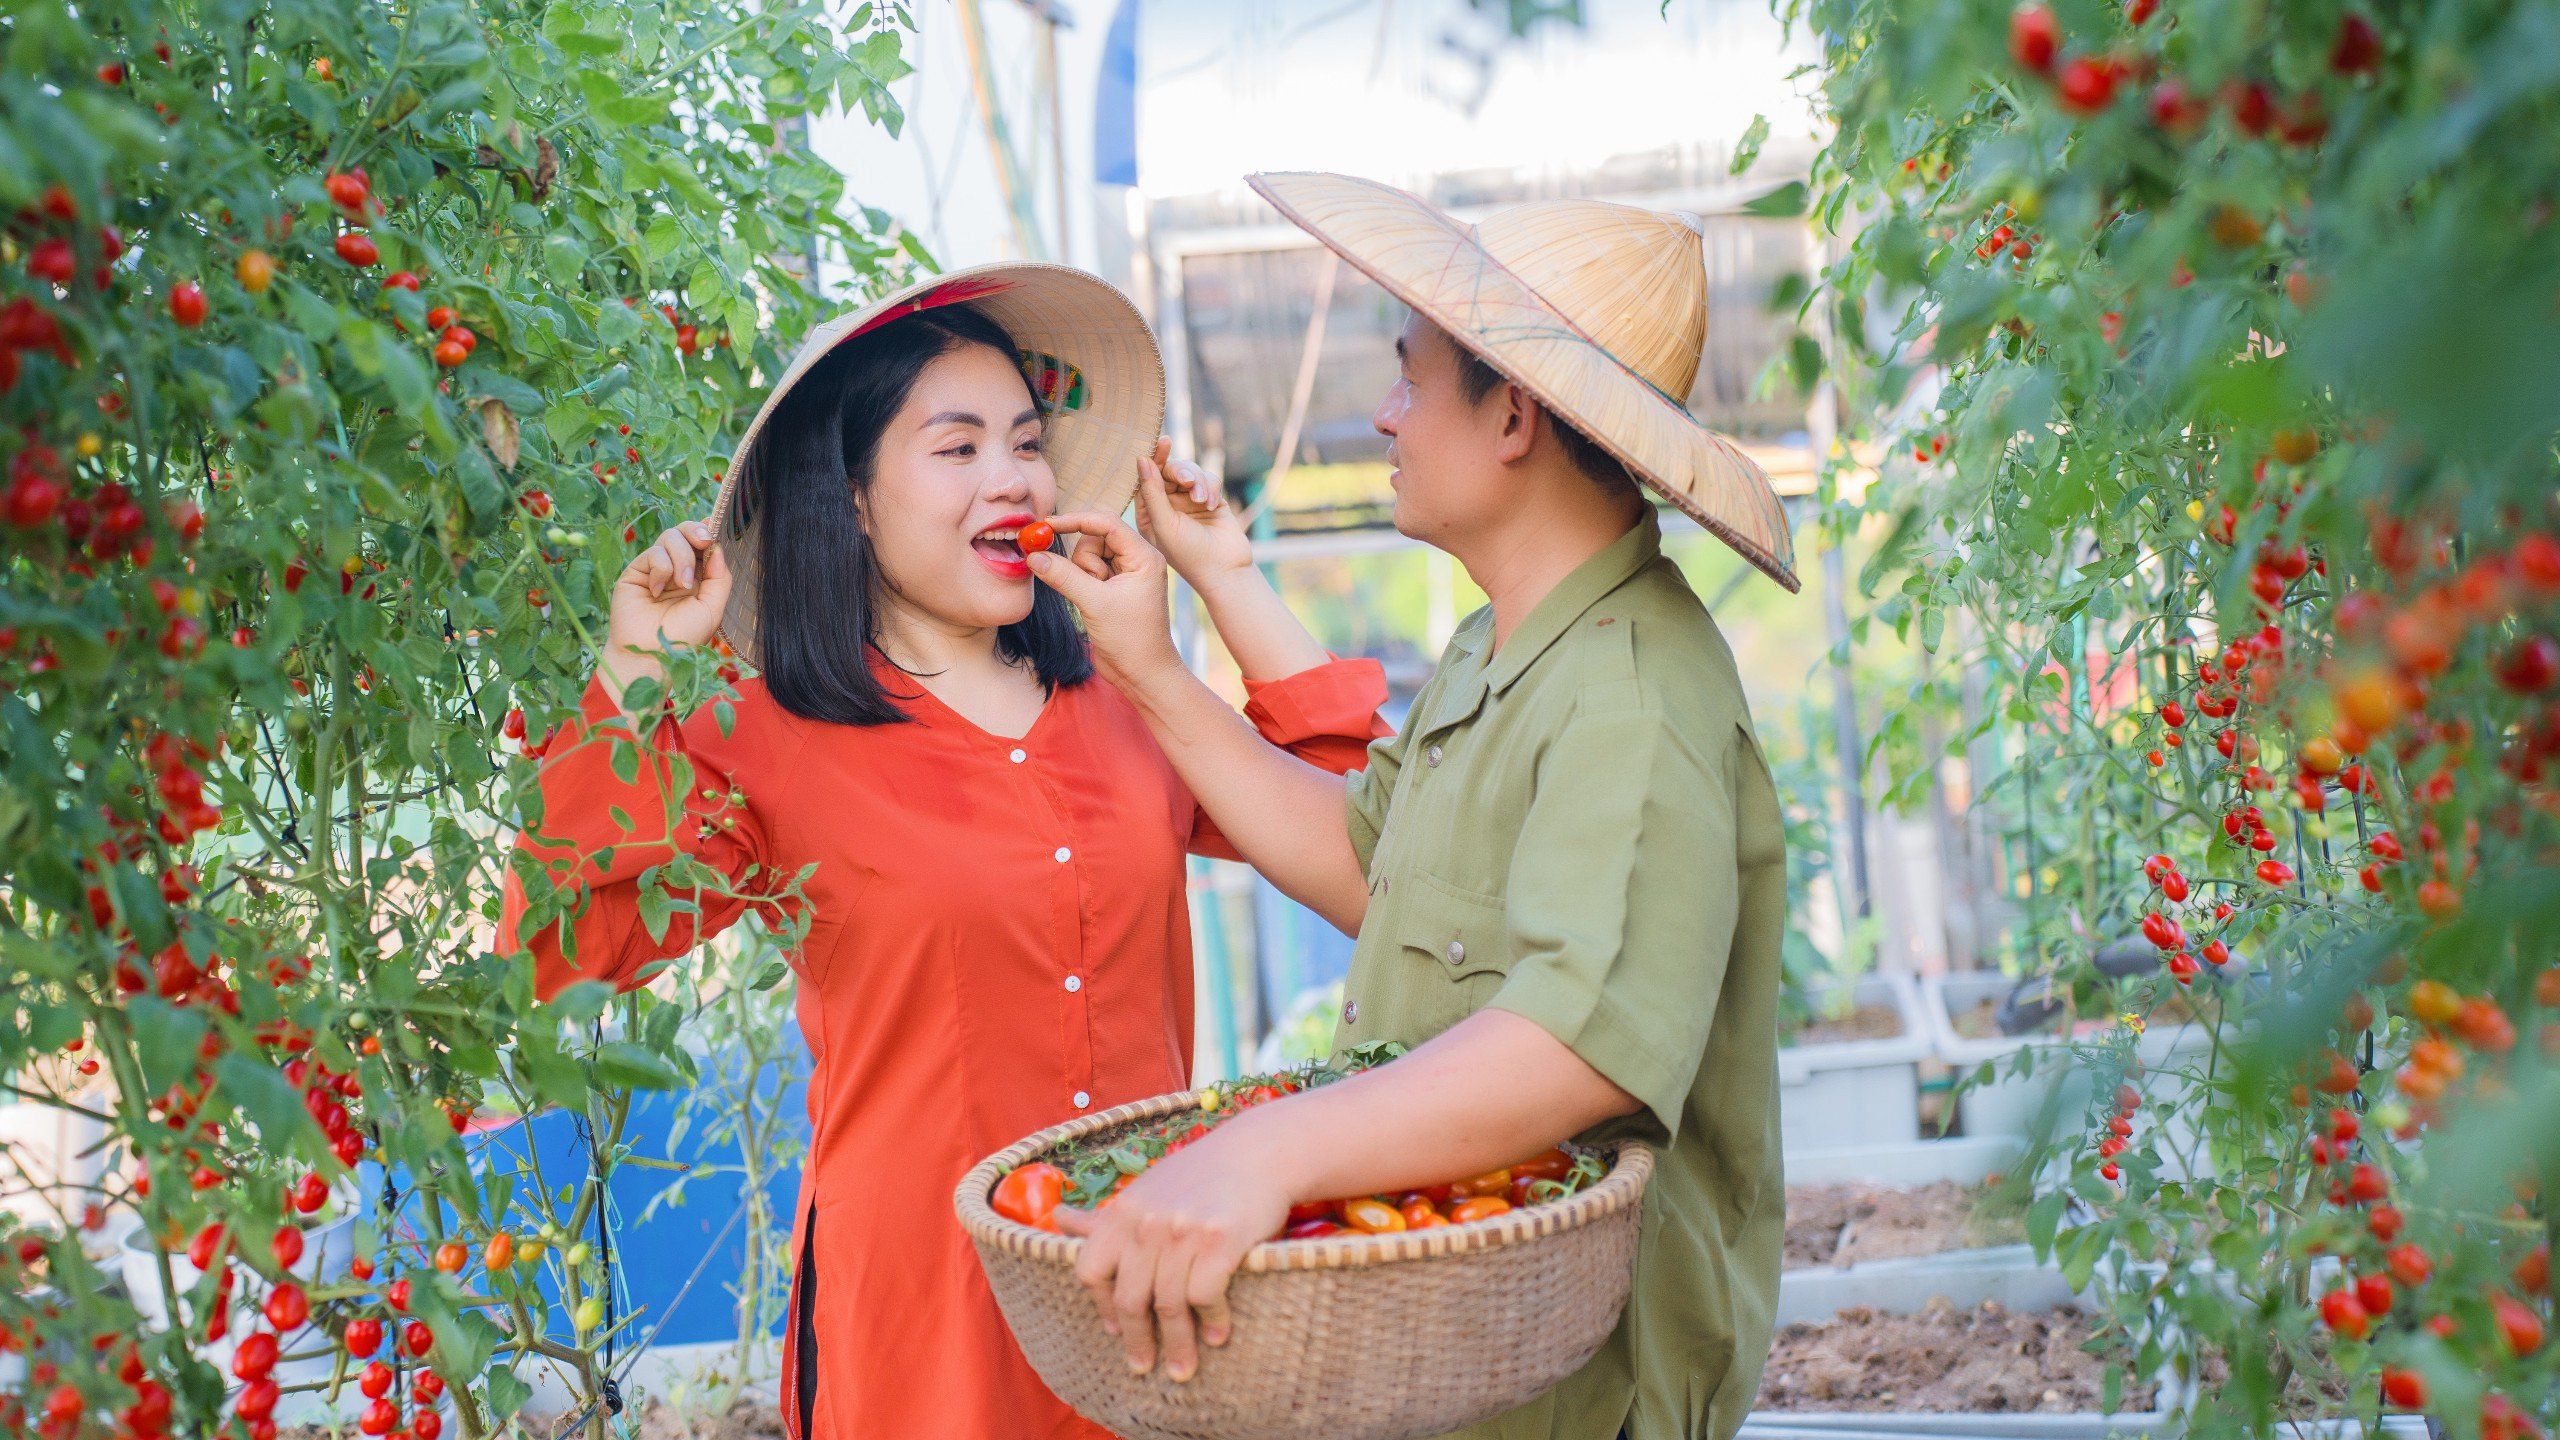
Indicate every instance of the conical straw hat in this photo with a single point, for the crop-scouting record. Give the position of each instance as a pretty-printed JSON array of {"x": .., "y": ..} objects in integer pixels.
[
  {"x": 1086, "y": 352},
  {"x": 1599, "y": 310}
]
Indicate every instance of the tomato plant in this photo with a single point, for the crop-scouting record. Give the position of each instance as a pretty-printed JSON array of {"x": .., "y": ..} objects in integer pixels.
[
  {"x": 250, "y": 883},
  {"x": 2230, "y": 519}
]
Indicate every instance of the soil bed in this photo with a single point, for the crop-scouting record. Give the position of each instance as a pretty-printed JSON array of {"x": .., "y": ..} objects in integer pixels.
[
  {"x": 1848, "y": 1223},
  {"x": 1878, "y": 1021},
  {"x": 1941, "y": 1360},
  {"x": 1978, "y": 1021}
]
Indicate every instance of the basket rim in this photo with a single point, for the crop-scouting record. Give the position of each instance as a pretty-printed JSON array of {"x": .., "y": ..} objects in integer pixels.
[{"x": 1630, "y": 1167}]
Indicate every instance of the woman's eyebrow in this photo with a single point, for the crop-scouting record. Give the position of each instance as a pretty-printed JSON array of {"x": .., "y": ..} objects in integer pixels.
[{"x": 957, "y": 417}]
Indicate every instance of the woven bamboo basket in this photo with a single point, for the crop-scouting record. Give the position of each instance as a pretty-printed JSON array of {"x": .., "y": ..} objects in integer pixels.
[{"x": 1367, "y": 1337}]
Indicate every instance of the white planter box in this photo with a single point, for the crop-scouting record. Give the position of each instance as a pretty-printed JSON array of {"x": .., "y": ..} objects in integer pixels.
[
  {"x": 2009, "y": 1274},
  {"x": 2007, "y": 1105},
  {"x": 1856, "y": 1092},
  {"x": 1968, "y": 1160},
  {"x": 49, "y": 1148},
  {"x": 327, "y": 1248}
]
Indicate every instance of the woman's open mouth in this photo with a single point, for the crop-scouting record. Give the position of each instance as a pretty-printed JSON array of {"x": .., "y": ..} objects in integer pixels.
[{"x": 997, "y": 546}]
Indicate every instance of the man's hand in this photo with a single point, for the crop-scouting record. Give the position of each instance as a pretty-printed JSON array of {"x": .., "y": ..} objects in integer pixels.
[
  {"x": 1158, "y": 1256},
  {"x": 1118, "y": 585},
  {"x": 1185, "y": 514}
]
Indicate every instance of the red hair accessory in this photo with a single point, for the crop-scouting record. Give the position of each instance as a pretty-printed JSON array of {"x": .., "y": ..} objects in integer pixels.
[{"x": 954, "y": 292}]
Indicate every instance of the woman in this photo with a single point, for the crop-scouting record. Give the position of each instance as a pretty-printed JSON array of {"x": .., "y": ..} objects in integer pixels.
[{"x": 997, "y": 938}]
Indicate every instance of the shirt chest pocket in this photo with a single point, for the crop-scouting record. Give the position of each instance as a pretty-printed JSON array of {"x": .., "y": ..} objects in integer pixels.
[{"x": 1464, "y": 936}]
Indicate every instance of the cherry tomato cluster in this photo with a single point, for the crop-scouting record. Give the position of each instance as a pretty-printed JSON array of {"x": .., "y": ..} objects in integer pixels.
[
  {"x": 2386, "y": 1280},
  {"x": 2119, "y": 1128},
  {"x": 2089, "y": 83},
  {"x": 1549, "y": 1175},
  {"x": 1092, "y": 1175}
]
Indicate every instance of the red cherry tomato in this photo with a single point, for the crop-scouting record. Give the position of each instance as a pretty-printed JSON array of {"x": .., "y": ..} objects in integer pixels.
[
  {"x": 288, "y": 1307},
  {"x": 1036, "y": 536},
  {"x": 1029, "y": 1195}
]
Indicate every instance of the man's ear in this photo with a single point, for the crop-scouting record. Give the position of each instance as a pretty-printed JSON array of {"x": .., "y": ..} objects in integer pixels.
[{"x": 1521, "y": 417}]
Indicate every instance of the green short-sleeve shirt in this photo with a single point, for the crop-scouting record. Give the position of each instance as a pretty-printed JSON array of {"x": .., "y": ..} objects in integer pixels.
[{"x": 1579, "y": 828}]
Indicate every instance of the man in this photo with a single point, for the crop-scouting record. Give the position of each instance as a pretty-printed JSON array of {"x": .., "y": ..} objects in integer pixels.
[{"x": 1566, "y": 874}]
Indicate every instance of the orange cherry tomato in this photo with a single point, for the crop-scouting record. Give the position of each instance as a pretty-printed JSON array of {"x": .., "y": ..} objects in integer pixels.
[
  {"x": 1545, "y": 1165},
  {"x": 500, "y": 1252},
  {"x": 451, "y": 1256},
  {"x": 1491, "y": 1182},
  {"x": 1479, "y": 1207},
  {"x": 1418, "y": 1213},
  {"x": 1036, "y": 536},
  {"x": 1372, "y": 1216},
  {"x": 1029, "y": 1195}
]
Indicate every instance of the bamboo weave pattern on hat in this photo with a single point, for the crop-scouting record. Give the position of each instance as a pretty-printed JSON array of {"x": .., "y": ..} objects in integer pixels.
[
  {"x": 1085, "y": 352},
  {"x": 1597, "y": 309}
]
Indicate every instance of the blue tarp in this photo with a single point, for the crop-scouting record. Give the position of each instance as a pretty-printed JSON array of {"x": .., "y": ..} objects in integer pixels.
[
  {"x": 655, "y": 1258},
  {"x": 1115, "y": 101}
]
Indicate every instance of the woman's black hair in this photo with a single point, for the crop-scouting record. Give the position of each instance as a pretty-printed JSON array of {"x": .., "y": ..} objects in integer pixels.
[{"x": 801, "y": 492}]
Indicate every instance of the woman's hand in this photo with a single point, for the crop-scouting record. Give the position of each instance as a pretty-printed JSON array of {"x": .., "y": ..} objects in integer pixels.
[
  {"x": 1117, "y": 583},
  {"x": 1183, "y": 512},
  {"x": 677, "y": 588}
]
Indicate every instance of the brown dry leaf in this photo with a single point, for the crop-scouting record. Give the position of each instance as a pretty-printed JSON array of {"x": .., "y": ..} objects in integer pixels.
[
  {"x": 546, "y": 167},
  {"x": 498, "y": 430}
]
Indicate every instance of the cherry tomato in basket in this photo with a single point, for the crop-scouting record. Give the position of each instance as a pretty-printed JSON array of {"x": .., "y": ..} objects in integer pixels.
[
  {"x": 1037, "y": 536},
  {"x": 1491, "y": 1182},
  {"x": 1313, "y": 1210},
  {"x": 1314, "y": 1229},
  {"x": 1518, "y": 1191},
  {"x": 1480, "y": 1207},
  {"x": 1418, "y": 1213},
  {"x": 1029, "y": 1195},
  {"x": 1372, "y": 1217},
  {"x": 1546, "y": 1165}
]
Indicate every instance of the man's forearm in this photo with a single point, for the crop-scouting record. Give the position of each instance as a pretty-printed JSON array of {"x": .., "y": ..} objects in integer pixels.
[
  {"x": 1491, "y": 1090},
  {"x": 1285, "y": 817},
  {"x": 1259, "y": 630}
]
